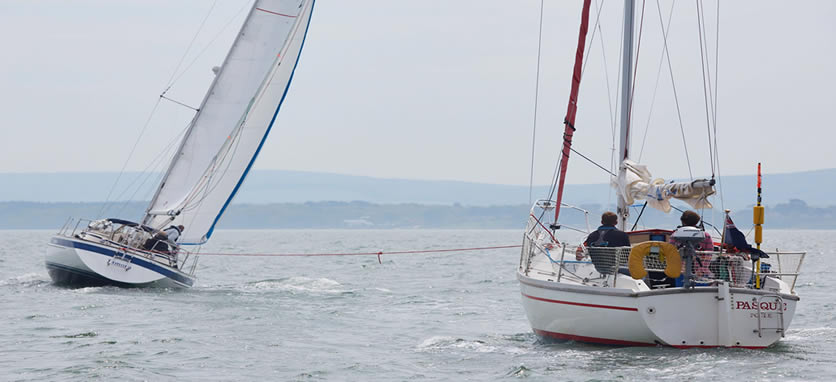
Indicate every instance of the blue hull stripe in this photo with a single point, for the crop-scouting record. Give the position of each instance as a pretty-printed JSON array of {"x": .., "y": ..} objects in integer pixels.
[
  {"x": 247, "y": 170},
  {"x": 135, "y": 260}
]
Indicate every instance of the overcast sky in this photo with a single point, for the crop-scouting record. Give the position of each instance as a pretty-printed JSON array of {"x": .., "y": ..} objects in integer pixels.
[{"x": 422, "y": 89}]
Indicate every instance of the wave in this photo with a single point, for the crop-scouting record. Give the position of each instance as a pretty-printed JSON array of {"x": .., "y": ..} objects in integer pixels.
[
  {"x": 493, "y": 345},
  {"x": 27, "y": 280},
  {"x": 297, "y": 284},
  {"x": 801, "y": 334}
]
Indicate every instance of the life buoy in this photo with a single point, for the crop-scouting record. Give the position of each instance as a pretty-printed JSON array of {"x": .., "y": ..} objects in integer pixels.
[{"x": 667, "y": 253}]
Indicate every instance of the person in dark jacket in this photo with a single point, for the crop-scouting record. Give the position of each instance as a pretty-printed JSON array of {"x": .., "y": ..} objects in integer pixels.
[
  {"x": 607, "y": 235},
  {"x": 164, "y": 241}
]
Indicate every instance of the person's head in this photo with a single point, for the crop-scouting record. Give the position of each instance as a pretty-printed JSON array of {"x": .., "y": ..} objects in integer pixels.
[
  {"x": 609, "y": 218},
  {"x": 180, "y": 227},
  {"x": 690, "y": 218}
]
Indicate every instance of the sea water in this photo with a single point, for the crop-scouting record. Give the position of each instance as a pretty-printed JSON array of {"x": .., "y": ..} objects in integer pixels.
[{"x": 437, "y": 317}]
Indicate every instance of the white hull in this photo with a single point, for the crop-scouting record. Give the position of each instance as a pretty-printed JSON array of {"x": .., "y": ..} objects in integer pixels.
[
  {"x": 587, "y": 295},
  {"x": 700, "y": 317},
  {"x": 77, "y": 262}
]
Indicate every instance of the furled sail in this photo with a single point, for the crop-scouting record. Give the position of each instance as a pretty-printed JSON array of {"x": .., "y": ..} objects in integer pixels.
[
  {"x": 233, "y": 121},
  {"x": 635, "y": 184}
]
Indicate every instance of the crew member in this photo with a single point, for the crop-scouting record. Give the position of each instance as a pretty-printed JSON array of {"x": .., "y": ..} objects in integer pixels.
[
  {"x": 160, "y": 241},
  {"x": 173, "y": 233},
  {"x": 607, "y": 235},
  {"x": 702, "y": 261},
  {"x": 692, "y": 219}
]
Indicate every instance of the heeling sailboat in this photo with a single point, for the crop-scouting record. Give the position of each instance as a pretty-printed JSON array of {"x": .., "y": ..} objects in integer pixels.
[
  {"x": 214, "y": 157},
  {"x": 651, "y": 292}
]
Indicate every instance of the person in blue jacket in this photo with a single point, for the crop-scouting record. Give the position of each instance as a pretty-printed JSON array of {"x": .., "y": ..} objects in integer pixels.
[{"x": 607, "y": 235}]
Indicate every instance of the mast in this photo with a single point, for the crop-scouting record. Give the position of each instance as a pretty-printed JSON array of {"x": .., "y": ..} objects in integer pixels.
[
  {"x": 572, "y": 109},
  {"x": 626, "y": 90},
  {"x": 148, "y": 217},
  {"x": 234, "y": 120}
]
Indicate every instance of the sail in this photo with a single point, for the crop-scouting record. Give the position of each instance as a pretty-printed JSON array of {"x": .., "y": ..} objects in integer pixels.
[
  {"x": 233, "y": 121},
  {"x": 634, "y": 183}
]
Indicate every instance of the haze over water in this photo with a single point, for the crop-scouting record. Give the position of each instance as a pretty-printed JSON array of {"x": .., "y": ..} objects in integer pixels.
[{"x": 449, "y": 316}]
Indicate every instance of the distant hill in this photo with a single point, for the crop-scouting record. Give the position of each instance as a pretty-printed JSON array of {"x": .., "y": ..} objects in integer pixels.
[
  {"x": 28, "y": 215},
  {"x": 276, "y": 186}
]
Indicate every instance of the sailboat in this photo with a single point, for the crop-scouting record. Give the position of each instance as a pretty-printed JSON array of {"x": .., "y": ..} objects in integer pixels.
[
  {"x": 207, "y": 170},
  {"x": 662, "y": 289}
]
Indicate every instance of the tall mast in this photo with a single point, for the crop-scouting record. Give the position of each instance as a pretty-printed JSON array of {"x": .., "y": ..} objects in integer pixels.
[
  {"x": 626, "y": 90},
  {"x": 235, "y": 118},
  {"x": 572, "y": 109},
  {"x": 148, "y": 217}
]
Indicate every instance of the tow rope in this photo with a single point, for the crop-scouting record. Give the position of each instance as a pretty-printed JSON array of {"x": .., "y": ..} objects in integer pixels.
[{"x": 378, "y": 253}]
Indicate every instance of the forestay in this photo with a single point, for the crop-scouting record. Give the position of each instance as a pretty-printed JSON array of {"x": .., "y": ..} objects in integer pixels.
[{"x": 233, "y": 121}]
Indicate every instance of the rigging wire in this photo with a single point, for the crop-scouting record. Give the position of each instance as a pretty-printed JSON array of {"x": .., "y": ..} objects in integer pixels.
[
  {"x": 706, "y": 90},
  {"x": 211, "y": 42},
  {"x": 616, "y": 109},
  {"x": 130, "y": 154},
  {"x": 229, "y": 151},
  {"x": 170, "y": 82},
  {"x": 205, "y": 185},
  {"x": 595, "y": 28},
  {"x": 607, "y": 80},
  {"x": 638, "y": 218},
  {"x": 150, "y": 116},
  {"x": 378, "y": 253},
  {"x": 635, "y": 71},
  {"x": 711, "y": 103},
  {"x": 179, "y": 103},
  {"x": 658, "y": 76},
  {"x": 675, "y": 96},
  {"x": 716, "y": 86},
  {"x": 188, "y": 67},
  {"x": 145, "y": 174},
  {"x": 556, "y": 173},
  {"x": 593, "y": 162},
  {"x": 536, "y": 103}
]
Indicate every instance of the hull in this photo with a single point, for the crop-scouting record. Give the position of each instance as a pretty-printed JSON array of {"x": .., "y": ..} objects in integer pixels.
[
  {"x": 584, "y": 314},
  {"x": 716, "y": 316},
  {"x": 79, "y": 263}
]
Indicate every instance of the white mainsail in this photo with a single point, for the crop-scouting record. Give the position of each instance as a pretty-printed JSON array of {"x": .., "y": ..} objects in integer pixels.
[
  {"x": 232, "y": 123},
  {"x": 634, "y": 183}
]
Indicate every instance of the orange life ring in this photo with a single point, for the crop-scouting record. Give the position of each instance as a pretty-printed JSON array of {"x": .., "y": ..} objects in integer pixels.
[{"x": 667, "y": 253}]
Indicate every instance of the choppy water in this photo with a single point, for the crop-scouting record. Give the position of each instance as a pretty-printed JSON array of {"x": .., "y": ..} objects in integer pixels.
[{"x": 441, "y": 317}]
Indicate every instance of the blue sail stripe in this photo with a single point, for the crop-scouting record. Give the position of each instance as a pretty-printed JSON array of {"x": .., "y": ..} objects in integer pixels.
[{"x": 263, "y": 139}]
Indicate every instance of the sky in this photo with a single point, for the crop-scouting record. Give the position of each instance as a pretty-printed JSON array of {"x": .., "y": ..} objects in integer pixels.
[{"x": 424, "y": 89}]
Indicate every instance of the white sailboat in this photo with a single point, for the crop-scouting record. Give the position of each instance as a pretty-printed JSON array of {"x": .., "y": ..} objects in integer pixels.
[
  {"x": 660, "y": 290},
  {"x": 214, "y": 157}
]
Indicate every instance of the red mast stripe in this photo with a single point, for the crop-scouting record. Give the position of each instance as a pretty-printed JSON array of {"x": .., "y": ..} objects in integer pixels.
[{"x": 572, "y": 109}]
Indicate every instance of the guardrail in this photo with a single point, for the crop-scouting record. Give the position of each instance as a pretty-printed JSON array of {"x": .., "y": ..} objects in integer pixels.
[
  {"x": 128, "y": 237},
  {"x": 709, "y": 267}
]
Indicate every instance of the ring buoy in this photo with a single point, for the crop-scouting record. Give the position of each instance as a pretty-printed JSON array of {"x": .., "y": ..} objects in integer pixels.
[{"x": 667, "y": 253}]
